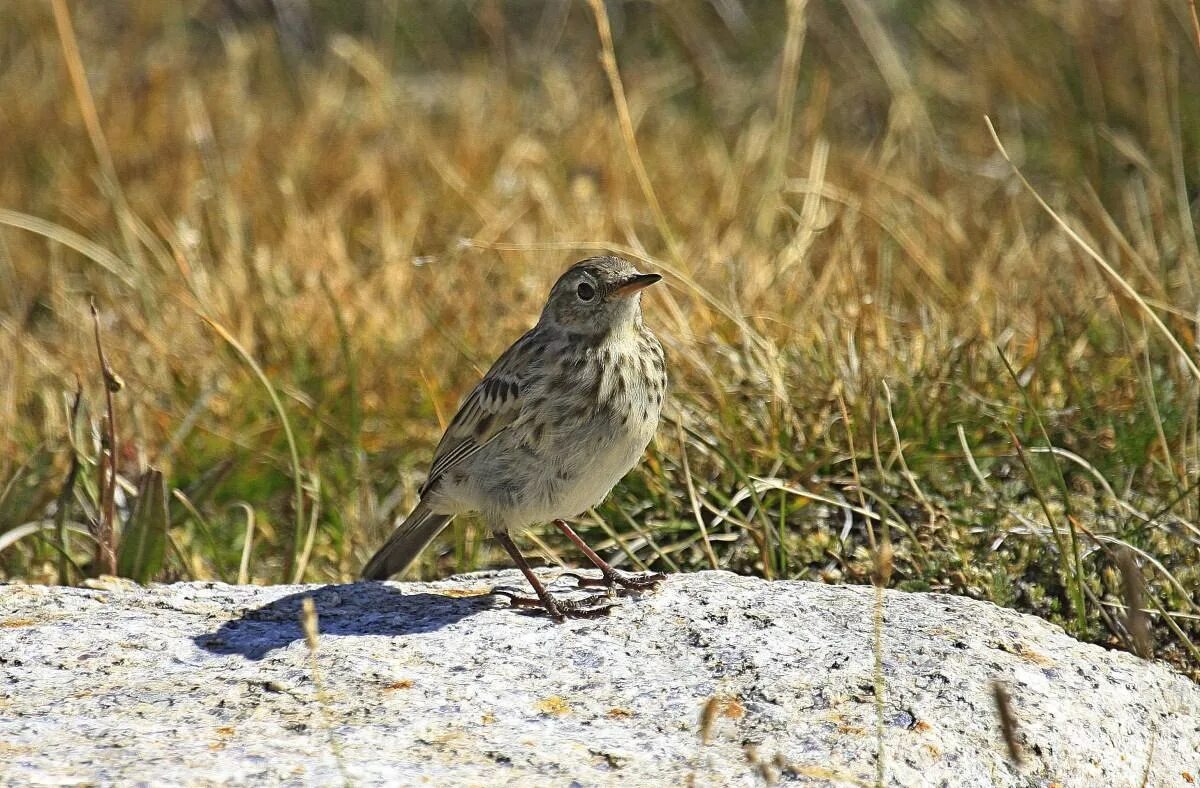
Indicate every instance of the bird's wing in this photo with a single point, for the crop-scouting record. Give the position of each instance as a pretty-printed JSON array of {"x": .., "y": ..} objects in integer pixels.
[{"x": 488, "y": 410}]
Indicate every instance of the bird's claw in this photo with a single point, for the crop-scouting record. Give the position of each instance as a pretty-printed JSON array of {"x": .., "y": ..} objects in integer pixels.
[
  {"x": 614, "y": 577},
  {"x": 561, "y": 609},
  {"x": 589, "y": 607}
]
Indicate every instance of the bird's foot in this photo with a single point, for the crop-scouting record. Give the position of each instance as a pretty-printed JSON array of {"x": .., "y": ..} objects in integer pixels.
[
  {"x": 615, "y": 577},
  {"x": 561, "y": 609}
]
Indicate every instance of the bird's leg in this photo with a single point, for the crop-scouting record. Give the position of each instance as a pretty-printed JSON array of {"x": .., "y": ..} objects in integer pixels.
[
  {"x": 609, "y": 576},
  {"x": 558, "y": 609}
]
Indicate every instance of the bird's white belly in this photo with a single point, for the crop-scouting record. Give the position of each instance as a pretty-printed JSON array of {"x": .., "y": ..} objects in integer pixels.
[
  {"x": 582, "y": 478},
  {"x": 598, "y": 473}
]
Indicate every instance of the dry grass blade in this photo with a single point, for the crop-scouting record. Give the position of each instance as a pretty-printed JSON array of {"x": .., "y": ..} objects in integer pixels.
[
  {"x": 1008, "y": 722},
  {"x": 308, "y": 622},
  {"x": 1195, "y": 22},
  {"x": 311, "y": 627},
  {"x": 909, "y": 476},
  {"x": 314, "y": 517},
  {"x": 608, "y": 57},
  {"x": 974, "y": 466},
  {"x": 906, "y": 101},
  {"x": 25, "y": 530},
  {"x": 247, "y": 543},
  {"x": 708, "y": 716},
  {"x": 785, "y": 105},
  {"x": 1123, "y": 284},
  {"x": 695, "y": 499},
  {"x": 72, "y": 240},
  {"x": 883, "y": 573},
  {"x": 91, "y": 120},
  {"x": 1135, "y": 616}
]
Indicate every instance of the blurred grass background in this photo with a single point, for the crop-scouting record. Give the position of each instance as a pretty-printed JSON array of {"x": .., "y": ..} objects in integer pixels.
[{"x": 308, "y": 227}]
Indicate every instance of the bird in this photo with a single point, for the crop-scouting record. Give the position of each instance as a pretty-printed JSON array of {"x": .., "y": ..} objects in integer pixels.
[{"x": 555, "y": 423}]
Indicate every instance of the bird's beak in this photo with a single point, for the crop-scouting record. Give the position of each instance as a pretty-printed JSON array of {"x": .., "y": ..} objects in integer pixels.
[{"x": 634, "y": 284}]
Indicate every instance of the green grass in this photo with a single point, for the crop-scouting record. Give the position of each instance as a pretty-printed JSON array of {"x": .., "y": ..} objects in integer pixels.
[{"x": 307, "y": 248}]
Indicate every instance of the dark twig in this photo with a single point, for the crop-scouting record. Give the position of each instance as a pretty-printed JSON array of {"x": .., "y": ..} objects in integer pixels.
[
  {"x": 68, "y": 488},
  {"x": 106, "y": 537}
]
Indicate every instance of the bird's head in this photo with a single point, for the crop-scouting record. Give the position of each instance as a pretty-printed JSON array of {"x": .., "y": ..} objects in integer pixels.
[{"x": 597, "y": 296}]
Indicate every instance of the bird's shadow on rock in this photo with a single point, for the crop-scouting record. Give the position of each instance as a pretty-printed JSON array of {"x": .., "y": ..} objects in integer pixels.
[{"x": 363, "y": 608}]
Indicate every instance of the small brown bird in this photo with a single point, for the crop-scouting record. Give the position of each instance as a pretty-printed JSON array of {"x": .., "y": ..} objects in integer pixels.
[{"x": 556, "y": 422}]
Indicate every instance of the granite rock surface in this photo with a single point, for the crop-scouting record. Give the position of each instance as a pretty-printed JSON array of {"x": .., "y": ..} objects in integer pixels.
[{"x": 713, "y": 678}]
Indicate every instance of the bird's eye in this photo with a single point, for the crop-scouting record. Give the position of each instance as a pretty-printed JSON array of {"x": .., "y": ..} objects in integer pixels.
[{"x": 585, "y": 291}]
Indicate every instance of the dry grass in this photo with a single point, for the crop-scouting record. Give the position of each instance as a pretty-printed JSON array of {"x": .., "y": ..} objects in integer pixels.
[{"x": 305, "y": 246}]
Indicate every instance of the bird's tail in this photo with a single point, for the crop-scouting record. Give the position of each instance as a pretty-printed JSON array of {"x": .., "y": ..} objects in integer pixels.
[{"x": 406, "y": 543}]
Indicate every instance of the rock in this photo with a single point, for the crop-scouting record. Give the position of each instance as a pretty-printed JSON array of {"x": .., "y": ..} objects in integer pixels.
[{"x": 713, "y": 678}]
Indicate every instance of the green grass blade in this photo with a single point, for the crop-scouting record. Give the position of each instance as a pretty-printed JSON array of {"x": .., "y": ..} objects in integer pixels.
[
  {"x": 293, "y": 452},
  {"x": 144, "y": 542}
]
